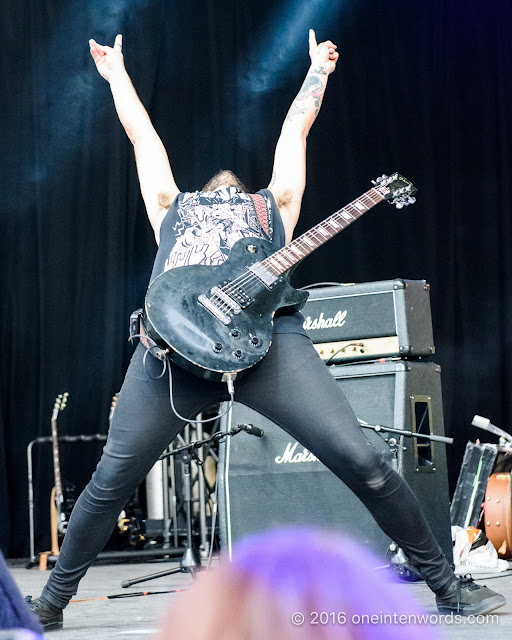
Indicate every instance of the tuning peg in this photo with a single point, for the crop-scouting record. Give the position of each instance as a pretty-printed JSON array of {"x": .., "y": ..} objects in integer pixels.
[
  {"x": 399, "y": 204},
  {"x": 379, "y": 180},
  {"x": 412, "y": 200}
]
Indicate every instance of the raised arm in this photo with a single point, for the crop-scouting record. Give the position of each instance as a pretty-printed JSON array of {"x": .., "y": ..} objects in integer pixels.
[
  {"x": 155, "y": 176},
  {"x": 289, "y": 174}
]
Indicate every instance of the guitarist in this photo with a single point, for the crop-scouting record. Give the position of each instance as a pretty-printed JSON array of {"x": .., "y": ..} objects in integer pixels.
[{"x": 291, "y": 385}]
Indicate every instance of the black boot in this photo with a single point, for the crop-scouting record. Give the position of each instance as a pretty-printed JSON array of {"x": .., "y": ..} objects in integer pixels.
[
  {"x": 50, "y": 616},
  {"x": 465, "y": 597}
]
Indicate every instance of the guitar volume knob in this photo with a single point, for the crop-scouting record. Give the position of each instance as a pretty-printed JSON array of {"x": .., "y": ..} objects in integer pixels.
[
  {"x": 255, "y": 341},
  {"x": 238, "y": 354},
  {"x": 217, "y": 347}
]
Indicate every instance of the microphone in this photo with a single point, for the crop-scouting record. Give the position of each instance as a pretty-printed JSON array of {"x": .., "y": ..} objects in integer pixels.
[
  {"x": 486, "y": 425},
  {"x": 481, "y": 422},
  {"x": 251, "y": 430}
]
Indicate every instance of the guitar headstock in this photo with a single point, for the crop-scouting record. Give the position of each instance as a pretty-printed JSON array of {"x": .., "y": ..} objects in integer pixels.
[
  {"x": 113, "y": 406},
  {"x": 395, "y": 189},
  {"x": 60, "y": 404}
]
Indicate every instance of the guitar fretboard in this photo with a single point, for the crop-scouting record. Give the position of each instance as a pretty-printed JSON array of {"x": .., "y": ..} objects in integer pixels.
[{"x": 285, "y": 258}]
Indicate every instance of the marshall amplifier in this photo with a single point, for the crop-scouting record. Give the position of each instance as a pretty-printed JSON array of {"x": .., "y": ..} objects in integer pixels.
[
  {"x": 273, "y": 481},
  {"x": 370, "y": 320}
]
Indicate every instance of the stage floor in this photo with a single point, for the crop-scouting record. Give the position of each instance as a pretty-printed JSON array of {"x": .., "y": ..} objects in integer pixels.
[{"x": 138, "y": 618}]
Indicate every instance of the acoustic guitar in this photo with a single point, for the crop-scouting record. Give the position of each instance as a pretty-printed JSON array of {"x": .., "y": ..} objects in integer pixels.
[{"x": 498, "y": 513}]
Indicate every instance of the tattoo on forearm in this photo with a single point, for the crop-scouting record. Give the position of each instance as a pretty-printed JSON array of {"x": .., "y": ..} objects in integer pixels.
[
  {"x": 309, "y": 97},
  {"x": 320, "y": 71}
]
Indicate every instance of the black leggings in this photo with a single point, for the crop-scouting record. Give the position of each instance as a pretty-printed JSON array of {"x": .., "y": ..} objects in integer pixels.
[{"x": 292, "y": 387}]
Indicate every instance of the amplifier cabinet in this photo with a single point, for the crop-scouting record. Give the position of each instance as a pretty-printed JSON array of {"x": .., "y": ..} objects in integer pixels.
[
  {"x": 273, "y": 481},
  {"x": 370, "y": 320}
]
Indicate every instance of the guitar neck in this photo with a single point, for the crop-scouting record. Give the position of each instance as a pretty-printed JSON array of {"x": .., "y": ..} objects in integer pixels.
[
  {"x": 282, "y": 260},
  {"x": 56, "y": 460}
]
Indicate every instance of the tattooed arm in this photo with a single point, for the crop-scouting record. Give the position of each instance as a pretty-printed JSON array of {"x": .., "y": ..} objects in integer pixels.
[
  {"x": 155, "y": 176},
  {"x": 289, "y": 175}
]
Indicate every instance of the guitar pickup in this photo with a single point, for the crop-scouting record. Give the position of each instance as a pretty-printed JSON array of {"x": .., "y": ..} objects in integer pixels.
[{"x": 263, "y": 273}]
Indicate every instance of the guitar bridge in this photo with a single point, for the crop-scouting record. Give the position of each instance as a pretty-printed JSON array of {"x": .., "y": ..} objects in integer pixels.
[
  {"x": 213, "y": 309},
  {"x": 228, "y": 300}
]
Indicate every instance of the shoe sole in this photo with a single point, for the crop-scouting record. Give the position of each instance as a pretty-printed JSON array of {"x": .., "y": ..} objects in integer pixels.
[
  {"x": 53, "y": 626},
  {"x": 480, "y": 608}
]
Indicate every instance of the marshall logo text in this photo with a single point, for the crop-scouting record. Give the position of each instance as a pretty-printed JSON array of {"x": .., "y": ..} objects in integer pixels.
[
  {"x": 325, "y": 323},
  {"x": 289, "y": 455}
]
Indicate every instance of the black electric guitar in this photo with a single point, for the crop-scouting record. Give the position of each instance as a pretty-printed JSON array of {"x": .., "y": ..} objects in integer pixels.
[{"x": 217, "y": 321}]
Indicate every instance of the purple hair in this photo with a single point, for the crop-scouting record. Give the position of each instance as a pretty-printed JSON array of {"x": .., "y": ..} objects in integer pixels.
[{"x": 309, "y": 570}]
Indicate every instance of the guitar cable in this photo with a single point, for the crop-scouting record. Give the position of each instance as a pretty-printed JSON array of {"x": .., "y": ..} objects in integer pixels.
[
  {"x": 231, "y": 391},
  {"x": 166, "y": 365}
]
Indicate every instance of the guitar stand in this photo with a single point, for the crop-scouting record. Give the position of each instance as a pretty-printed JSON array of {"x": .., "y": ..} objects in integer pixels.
[
  {"x": 191, "y": 560},
  {"x": 47, "y": 556}
]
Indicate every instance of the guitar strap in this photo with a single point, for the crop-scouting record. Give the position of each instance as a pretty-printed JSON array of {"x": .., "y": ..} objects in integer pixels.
[{"x": 260, "y": 207}]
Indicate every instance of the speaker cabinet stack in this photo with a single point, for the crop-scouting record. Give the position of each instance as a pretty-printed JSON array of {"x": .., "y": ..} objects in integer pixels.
[{"x": 272, "y": 481}]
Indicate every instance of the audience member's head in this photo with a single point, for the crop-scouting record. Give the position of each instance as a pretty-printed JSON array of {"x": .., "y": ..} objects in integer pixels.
[{"x": 296, "y": 584}]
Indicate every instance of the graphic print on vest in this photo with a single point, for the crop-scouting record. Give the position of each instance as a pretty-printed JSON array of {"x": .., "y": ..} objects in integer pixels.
[{"x": 209, "y": 224}]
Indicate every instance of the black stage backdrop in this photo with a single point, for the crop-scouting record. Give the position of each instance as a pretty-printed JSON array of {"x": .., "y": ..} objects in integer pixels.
[{"x": 422, "y": 87}]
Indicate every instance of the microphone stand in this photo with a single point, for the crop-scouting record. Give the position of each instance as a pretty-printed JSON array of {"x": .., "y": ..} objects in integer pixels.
[
  {"x": 393, "y": 443},
  {"x": 398, "y": 562},
  {"x": 191, "y": 560},
  {"x": 403, "y": 432}
]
